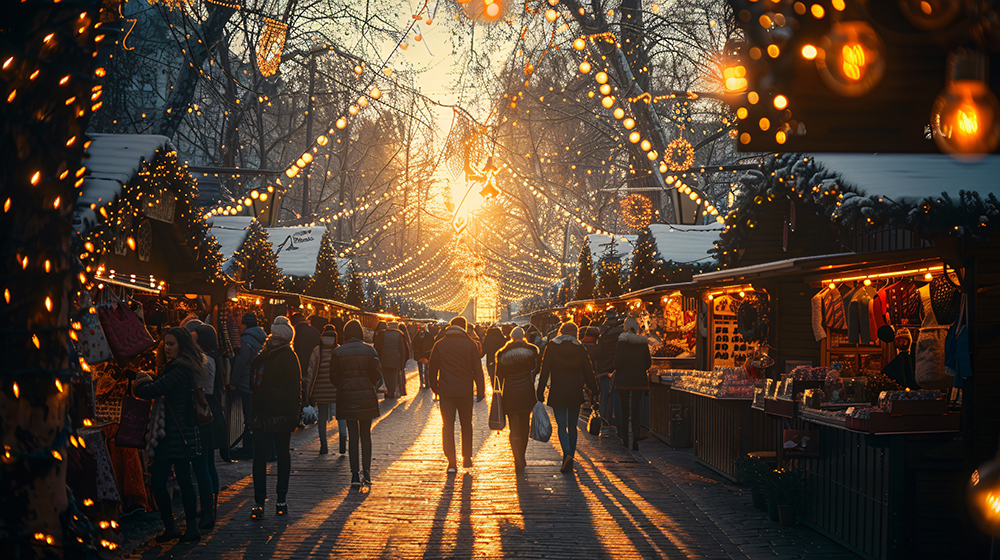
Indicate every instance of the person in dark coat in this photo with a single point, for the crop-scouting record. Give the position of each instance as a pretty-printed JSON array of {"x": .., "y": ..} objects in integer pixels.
[
  {"x": 252, "y": 339},
  {"x": 605, "y": 366},
  {"x": 306, "y": 338},
  {"x": 516, "y": 362},
  {"x": 179, "y": 445},
  {"x": 471, "y": 331},
  {"x": 423, "y": 342},
  {"x": 392, "y": 356},
  {"x": 455, "y": 367},
  {"x": 321, "y": 392},
  {"x": 566, "y": 362},
  {"x": 492, "y": 342},
  {"x": 378, "y": 336},
  {"x": 632, "y": 362},
  {"x": 207, "y": 340},
  {"x": 354, "y": 371},
  {"x": 274, "y": 411}
]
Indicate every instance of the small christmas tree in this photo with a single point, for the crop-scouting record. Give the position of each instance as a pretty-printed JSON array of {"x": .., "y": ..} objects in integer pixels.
[
  {"x": 327, "y": 284},
  {"x": 648, "y": 269},
  {"x": 609, "y": 282},
  {"x": 585, "y": 276}
]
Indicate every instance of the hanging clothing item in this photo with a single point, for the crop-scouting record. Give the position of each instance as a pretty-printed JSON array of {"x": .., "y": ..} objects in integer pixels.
[
  {"x": 929, "y": 369},
  {"x": 946, "y": 300},
  {"x": 957, "y": 359},
  {"x": 816, "y": 303},
  {"x": 858, "y": 324},
  {"x": 833, "y": 309}
]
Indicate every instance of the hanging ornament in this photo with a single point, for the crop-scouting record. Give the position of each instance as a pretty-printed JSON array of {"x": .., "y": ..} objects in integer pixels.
[
  {"x": 270, "y": 46},
  {"x": 637, "y": 211},
  {"x": 679, "y": 155}
]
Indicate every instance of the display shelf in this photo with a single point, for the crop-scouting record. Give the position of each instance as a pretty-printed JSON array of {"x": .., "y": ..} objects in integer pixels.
[{"x": 712, "y": 396}]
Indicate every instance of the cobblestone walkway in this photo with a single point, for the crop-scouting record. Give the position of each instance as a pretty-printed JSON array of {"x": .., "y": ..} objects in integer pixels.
[{"x": 618, "y": 504}]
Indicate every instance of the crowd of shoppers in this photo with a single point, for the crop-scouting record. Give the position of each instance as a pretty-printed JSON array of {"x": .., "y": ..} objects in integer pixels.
[{"x": 332, "y": 367}]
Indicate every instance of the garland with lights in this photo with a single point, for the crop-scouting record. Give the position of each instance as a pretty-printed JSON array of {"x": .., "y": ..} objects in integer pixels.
[
  {"x": 811, "y": 187},
  {"x": 162, "y": 177}
]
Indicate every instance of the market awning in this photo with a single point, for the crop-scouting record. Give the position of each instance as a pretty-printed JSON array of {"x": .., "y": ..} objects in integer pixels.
[
  {"x": 684, "y": 244},
  {"x": 913, "y": 177},
  {"x": 297, "y": 249}
]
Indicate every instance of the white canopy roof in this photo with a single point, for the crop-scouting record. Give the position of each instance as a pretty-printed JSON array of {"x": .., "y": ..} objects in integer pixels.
[
  {"x": 682, "y": 244},
  {"x": 913, "y": 177},
  {"x": 297, "y": 249},
  {"x": 230, "y": 232},
  {"x": 622, "y": 245},
  {"x": 113, "y": 159}
]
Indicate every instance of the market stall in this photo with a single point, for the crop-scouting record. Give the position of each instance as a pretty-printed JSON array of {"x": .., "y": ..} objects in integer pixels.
[{"x": 149, "y": 265}]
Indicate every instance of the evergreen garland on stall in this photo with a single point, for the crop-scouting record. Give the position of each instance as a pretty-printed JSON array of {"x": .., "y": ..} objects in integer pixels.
[
  {"x": 795, "y": 177},
  {"x": 585, "y": 273},
  {"x": 327, "y": 284},
  {"x": 609, "y": 280},
  {"x": 260, "y": 262}
]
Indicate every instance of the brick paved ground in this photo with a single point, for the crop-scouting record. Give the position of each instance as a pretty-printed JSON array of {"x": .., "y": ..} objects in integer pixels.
[{"x": 654, "y": 504}]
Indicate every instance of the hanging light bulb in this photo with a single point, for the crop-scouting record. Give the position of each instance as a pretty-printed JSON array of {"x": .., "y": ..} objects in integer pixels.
[
  {"x": 931, "y": 15},
  {"x": 584, "y": 67},
  {"x": 601, "y": 77},
  {"x": 619, "y": 113},
  {"x": 341, "y": 123},
  {"x": 579, "y": 44},
  {"x": 965, "y": 119},
  {"x": 628, "y": 123},
  {"x": 608, "y": 101},
  {"x": 852, "y": 59}
]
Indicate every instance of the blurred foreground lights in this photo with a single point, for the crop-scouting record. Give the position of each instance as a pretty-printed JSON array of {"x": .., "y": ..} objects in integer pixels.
[
  {"x": 931, "y": 15},
  {"x": 983, "y": 495},
  {"x": 964, "y": 119},
  {"x": 851, "y": 61}
]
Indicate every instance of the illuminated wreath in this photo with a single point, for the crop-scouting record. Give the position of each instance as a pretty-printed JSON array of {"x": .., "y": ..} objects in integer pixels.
[
  {"x": 637, "y": 211},
  {"x": 270, "y": 46},
  {"x": 679, "y": 155}
]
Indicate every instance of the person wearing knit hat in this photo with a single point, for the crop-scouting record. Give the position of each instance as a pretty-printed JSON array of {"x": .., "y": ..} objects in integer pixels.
[
  {"x": 249, "y": 320},
  {"x": 282, "y": 328},
  {"x": 274, "y": 411}
]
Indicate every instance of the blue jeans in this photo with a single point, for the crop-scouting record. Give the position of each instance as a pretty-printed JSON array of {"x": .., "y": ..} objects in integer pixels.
[
  {"x": 422, "y": 370},
  {"x": 610, "y": 402},
  {"x": 566, "y": 422},
  {"x": 324, "y": 416}
]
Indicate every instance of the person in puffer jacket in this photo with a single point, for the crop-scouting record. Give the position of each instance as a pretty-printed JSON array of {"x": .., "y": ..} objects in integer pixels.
[
  {"x": 632, "y": 362},
  {"x": 516, "y": 362},
  {"x": 354, "y": 371},
  {"x": 321, "y": 392},
  {"x": 274, "y": 411},
  {"x": 392, "y": 357},
  {"x": 456, "y": 367}
]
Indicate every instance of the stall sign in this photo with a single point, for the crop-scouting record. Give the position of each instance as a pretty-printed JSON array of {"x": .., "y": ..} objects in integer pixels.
[
  {"x": 163, "y": 209},
  {"x": 800, "y": 443}
]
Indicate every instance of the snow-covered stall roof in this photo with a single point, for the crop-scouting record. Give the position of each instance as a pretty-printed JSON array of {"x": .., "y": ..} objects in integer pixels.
[
  {"x": 113, "y": 159},
  {"x": 683, "y": 244},
  {"x": 297, "y": 249},
  {"x": 913, "y": 177},
  {"x": 230, "y": 232},
  {"x": 623, "y": 245}
]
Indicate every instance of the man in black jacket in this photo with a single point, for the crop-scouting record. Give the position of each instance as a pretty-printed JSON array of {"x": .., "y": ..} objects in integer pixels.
[
  {"x": 455, "y": 366},
  {"x": 492, "y": 343}
]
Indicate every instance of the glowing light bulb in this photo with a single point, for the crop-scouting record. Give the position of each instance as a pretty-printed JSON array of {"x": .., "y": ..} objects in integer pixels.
[
  {"x": 601, "y": 77},
  {"x": 809, "y": 52},
  {"x": 965, "y": 118},
  {"x": 608, "y": 101},
  {"x": 619, "y": 113},
  {"x": 628, "y": 123},
  {"x": 551, "y": 15},
  {"x": 852, "y": 59},
  {"x": 341, "y": 123},
  {"x": 634, "y": 137},
  {"x": 584, "y": 67},
  {"x": 579, "y": 44}
]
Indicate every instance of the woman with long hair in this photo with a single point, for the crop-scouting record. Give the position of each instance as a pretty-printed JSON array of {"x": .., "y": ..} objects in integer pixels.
[
  {"x": 276, "y": 382},
  {"x": 179, "y": 444},
  {"x": 354, "y": 371},
  {"x": 321, "y": 392},
  {"x": 515, "y": 363},
  {"x": 567, "y": 363}
]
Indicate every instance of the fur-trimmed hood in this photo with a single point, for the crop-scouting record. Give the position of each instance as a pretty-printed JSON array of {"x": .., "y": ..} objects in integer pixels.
[
  {"x": 565, "y": 338},
  {"x": 633, "y": 338},
  {"x": 515, "y": 352}
]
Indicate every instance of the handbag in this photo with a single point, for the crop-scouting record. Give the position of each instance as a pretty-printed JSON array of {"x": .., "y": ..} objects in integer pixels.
[
  {"x": 126, "y": 334},
  {"x": 541, "y": 426},
  {"x": 92, "y": 344},
  {"x": 202, "y": 410},
  {"x": 498, "y": 420},
  {"x": 134, "y": 422},
  {"x": 594, "y": 423}
]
